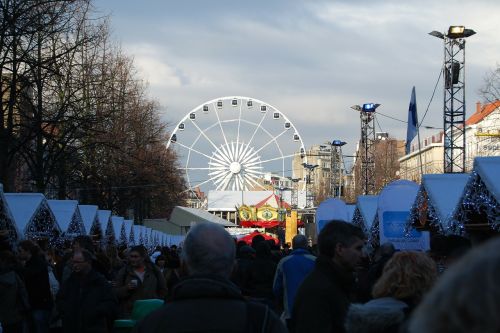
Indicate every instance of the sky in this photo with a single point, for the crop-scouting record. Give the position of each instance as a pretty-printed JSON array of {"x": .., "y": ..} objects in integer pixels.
[{"x": 311, "y": 59}]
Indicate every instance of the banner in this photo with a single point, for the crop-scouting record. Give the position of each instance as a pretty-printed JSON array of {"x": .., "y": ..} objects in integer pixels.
[{"x": 392, "y": 230}]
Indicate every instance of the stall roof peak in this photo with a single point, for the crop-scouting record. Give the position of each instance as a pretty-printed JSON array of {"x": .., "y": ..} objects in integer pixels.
[{"x": 444, "y": 191}]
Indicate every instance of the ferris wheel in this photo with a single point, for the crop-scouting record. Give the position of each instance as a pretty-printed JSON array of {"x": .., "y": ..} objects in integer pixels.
[{"x": 232, "y": 143}]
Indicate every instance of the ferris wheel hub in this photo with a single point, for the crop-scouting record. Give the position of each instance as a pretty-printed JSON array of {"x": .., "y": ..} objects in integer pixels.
[{"x": 235, "y": 167}]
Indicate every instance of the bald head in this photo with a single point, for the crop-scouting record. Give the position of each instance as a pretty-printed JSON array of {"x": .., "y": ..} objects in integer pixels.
[{"x": 209, "y": 249}]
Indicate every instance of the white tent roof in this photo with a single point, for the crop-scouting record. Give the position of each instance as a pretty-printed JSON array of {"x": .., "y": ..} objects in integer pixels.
[
  {"x": 350, "y": 212},
  {"x": 229, "y": 200},
  {"x": 445, "y": 191},
  {"x": 367, "y": 205},
  {"x": 488, "y": 168},
  {"x": 65, "y": 211},
  {"x": 103, "y": 216},
  {"x": 137, "y": 234},
  {"x": 117, "y": 222},
  {"x": 127, "y": 224},
  {"x": 89, "y": 215},
  {"x": 23, "y": 206},
  {"x": 184, "y": 216},
  {"x": 8, "y": 215}
]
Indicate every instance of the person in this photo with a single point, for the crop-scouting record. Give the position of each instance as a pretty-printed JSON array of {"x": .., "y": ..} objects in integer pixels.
[
  {"x": 14, "y": 302},
  {"x": 260, "y": 277},
  {"x": 466, "y": 298},
  {"x": 290, "y": 273},
  {"x": 206, "y": 300},
  {"x": 369, "y": 275},
  {"x": 35, "y": 274},
  {"x": 406, "y": 277},
  {"x": 245, "y": 257},
  {"x": 325, "y": 294},
  {"x": 85, "y": 301},
  {"x": 140, "y": 279}
]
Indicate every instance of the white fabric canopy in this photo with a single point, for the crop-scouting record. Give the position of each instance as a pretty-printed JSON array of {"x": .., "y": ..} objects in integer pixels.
[
  {"x": 23, "y": 207},
  {"x": 89, "y": 216},
  {"x": 367, "y": 205},
  {"x": 444, "y": 191},
  {"x": 117, "y": 222},
  {"x": 488, "y": 168},
  {"x": 67, "y": 214},
  {"x": 184, "y": 216}
]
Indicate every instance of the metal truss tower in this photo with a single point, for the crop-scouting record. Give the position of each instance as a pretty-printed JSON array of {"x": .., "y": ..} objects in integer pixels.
[
  {"x": 294, "y": 200},
  {"x": 309, "y": 181},
  {"x": 367, "y": 116},
  {"x": 336, "y": 169},
  {"x": 454, "y": 97},
  {"x": 367, "y": 159}
]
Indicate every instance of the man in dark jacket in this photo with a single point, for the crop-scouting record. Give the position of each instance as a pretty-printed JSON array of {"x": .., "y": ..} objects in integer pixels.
[
  {"x": 36, "y": 278},
  {"x": 206, "y": 301},
  {"x": 85, "y": 300},
  {"x": 324, "y": 297}
]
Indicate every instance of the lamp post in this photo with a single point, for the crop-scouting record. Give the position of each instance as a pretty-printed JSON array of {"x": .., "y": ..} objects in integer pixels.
[
  {"x": 367, "y": 116},
  {"x": 454, "y": 96},
  {"x": 309, "y": 196},
  {"x": 336, "y": 168}
]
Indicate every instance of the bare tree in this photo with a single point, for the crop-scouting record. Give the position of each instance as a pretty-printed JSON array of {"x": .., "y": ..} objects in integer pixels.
[{"x": 491, "y": 89}]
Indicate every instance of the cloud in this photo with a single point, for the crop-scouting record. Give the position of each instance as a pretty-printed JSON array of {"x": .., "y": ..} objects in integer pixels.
[{"x": 311, "y": 59}]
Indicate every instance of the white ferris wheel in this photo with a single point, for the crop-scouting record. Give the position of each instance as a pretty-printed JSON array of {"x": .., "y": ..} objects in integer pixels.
[{"x": 231, "y": 143}]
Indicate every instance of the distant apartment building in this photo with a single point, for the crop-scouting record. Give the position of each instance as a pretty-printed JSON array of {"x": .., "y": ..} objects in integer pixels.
[
  {"x": 317, "y": 181},
  {"x": 426, "y": 159},
  {"x": 482, "y": 135}
]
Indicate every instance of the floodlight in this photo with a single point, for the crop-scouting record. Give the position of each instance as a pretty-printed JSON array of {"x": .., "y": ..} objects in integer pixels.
[
  {"x": 370, "y": 107},
  {"x": 436, "y": 34},
  {"x": 459, "y": 31},
  {"x": 338, "y": 143}
]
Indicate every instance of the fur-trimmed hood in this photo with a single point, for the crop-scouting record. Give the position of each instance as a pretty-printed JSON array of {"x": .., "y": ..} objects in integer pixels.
[{"x": 379, "y": 315}]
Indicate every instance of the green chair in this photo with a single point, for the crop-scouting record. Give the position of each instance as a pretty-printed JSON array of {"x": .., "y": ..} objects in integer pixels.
[{"x": 141, "y": 309}]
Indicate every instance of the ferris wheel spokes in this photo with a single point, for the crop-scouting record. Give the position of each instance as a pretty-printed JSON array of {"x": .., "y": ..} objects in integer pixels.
[
  {"x": 198, "y": 152},
  {"x": 264, "y": 146},
  {"x": 226, "y": 157},
  {"x": 219, "y": 122},
  {"x": 271, "y": 159}
]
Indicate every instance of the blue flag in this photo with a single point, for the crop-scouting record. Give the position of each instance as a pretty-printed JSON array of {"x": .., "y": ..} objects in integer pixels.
[{"x": 412, "y": 129}]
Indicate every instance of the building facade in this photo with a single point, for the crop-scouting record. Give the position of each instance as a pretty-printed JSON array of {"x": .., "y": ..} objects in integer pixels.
[{"x": 482, "y": 135}]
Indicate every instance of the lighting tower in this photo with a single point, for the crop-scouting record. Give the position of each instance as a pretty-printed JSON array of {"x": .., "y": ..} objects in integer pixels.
[
  {"x": 336, "y": 168},
  {"x": 309, "y": 194},
  {"x": 294, "y": 201},
  {"x": 367, "y": 116},
  {"x": 454, "y": 96}
]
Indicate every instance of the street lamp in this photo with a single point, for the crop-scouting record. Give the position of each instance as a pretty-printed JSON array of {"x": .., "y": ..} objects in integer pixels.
[
  {"x": 454, "y": 96},
  {"x": 367, "y": 116}
]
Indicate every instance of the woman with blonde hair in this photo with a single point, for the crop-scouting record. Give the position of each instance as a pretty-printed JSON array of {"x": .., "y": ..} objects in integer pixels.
[{"x": 406, "y": 277}]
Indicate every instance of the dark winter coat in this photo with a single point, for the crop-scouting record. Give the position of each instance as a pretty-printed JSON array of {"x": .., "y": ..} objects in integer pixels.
[
  {"x": 36, "y": 278},
  {"x": 153, "y": 286},
  {"x": 381, "y": 315},
  {"x": 86, "y": 304},
  {"x": 210, "y": 304},
  {"x": 323, "y": 299},
  {"x": 13, "y": 298}
]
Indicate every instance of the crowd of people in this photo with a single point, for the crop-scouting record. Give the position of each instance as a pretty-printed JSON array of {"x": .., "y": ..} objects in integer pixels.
[{"x": 213, "y": 283}]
